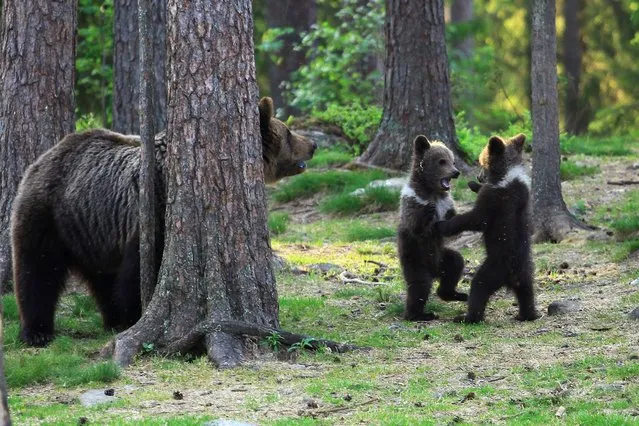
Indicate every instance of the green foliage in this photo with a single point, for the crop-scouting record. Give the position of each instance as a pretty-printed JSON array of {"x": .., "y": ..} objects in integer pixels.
[
  {"x": 340, "y": 53},
  {"x": 610, "y": 146},
  {"x": 94, "y": 59},
  {"x": 571, "y": 170},
  {"x": 359, "y": 123},
  {"x": 10, "y": 308},
  {"x": 377, "y": 199},
  {"x": 310, "y": 183},
  {"x": 273, "y": 341},
  {"x": 471, "y": 140},
  {"x": 87, "y": 122},
  {"x": 277, "y": 222}
]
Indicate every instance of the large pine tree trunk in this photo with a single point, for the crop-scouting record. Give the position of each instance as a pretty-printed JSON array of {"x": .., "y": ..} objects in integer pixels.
[
  {"x": 551, "y": 217},
  {"x": 416, "y": 84},
  {"x": 37, "y": 44},
  {"x": 296, "y": 14},
  {"x": 126, "y": 65},
  {"x": 217, "y": 253},
  {"x": 575, "y": 113}
]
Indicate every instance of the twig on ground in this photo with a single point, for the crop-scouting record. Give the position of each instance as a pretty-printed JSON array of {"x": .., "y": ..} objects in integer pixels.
[
  {"x": 338, "y": 409},
  {"x": 349, "y": 278},
  {"x": 623, "y": 182}
]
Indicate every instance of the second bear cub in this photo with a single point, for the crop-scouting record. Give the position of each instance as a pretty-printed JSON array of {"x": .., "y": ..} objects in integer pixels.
[
  {"x": 426, "y": 200},
  {"x": 502, "y": 213}
]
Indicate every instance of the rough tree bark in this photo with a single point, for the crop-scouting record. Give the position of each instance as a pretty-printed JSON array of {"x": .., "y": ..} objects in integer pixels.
[
  {"x": 416, "y": 84},
  {"x": 126, "y": 65},
  {"x": 552, "y": 219},
  {"x": 462, "y": 11},
  {"x": 147, "y": 161},
  {"x": 37, "y": 42},
  {"x": 575, "y": 113},
  {"x": 296, "y": 14},
  {"x": 217, "y": 253}
]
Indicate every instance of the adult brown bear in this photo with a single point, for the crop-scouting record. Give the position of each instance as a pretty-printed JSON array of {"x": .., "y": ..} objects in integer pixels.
[{"x": 77, "y": 211}]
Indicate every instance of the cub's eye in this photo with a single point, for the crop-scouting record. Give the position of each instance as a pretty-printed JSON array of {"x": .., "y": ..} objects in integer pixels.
[{"x": 442, "y": 162}]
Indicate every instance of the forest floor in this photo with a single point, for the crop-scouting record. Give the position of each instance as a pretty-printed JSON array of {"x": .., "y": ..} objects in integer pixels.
[{"x": 581, "y": 367}]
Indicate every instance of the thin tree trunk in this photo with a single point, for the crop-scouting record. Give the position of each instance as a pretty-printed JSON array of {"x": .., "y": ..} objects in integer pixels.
[
  {"x": 461, "y": 11},
  {"x": 37, "y": 42},
  {"x": 126, "y": 65},
  {"x": 217, "y": 252},
  {"x": 416, "y": 84},
  {"x": 147, "y": 162},
  {"x": 552, "y": 219},
  {"x": 573, "y": 110},
  {"x": 296, "y": 14}
]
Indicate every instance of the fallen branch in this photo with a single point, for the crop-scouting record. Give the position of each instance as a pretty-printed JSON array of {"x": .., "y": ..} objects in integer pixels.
[
  {"x": 623, "y": 182},
  {"x": 338, "y": 409},
  {"x": 255, "y": 330},
  {"x": 348, "y": 278},
  {"x": 382, "y": 266}
]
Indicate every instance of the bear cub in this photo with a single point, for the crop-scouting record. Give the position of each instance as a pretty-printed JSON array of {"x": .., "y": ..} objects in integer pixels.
[
  {"x": 502, "y": 213},
  {"x": 425, "y": 200}
]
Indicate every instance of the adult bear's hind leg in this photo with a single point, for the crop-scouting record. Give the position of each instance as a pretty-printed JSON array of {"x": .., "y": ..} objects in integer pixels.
[{"x": 40, "y": 270}]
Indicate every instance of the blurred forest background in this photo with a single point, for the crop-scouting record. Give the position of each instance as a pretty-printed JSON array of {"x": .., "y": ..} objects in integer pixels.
[{"x": 323, "y": 60}]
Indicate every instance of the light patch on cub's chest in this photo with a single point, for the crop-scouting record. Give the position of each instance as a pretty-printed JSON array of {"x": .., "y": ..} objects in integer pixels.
[
  {"x": 516, "y": 173},
  {"x": 442, "y": 205}
]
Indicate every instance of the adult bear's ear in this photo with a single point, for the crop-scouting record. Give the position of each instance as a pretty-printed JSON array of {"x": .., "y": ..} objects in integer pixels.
[
  {"x": 496, "y": 145},
  {"x": 420, "y": 145},
  {"x": 267, "y": 110},
  {"x": 518, "y": 141}
]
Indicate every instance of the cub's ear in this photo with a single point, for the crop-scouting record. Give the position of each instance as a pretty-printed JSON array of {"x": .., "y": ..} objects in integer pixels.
[
  {"x": 267, "y": 110},
  {"x": 496, "y": 145},
  {"x": 421, "y": 144},
  {"x": 518, "y": 141}
]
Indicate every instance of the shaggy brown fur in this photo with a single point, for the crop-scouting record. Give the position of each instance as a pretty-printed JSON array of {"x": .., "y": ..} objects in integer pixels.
[
  {"x": 502, "y": 213},
  {"x": 77, "y": 211},
  {"x": 423, "y": 257}
]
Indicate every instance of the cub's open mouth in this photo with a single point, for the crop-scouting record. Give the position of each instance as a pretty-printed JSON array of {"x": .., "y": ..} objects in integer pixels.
[{"x": 445, "y": 183}]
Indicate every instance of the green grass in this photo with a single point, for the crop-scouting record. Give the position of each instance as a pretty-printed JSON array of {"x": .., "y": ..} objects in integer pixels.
[
  {"x": 571, "y": 170},
  {"x": 378, "y": 199},
  {"x": 311, "y": 183},
  {"x": 611, "y": 146},
  {"x": 278, "y": 222},
  {"x": 361, "y": 232},
  {"x": 325, "y": 158},
  {"x": 623, "y": 216}
]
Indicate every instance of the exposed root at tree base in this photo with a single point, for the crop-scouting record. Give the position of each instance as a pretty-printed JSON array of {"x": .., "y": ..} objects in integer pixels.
[
  {"x": 558, "y": 226},
  {"x": 222, "y": 342}
]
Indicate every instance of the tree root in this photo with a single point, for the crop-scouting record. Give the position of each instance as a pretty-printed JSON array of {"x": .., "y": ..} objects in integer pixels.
[
  {"x": 242, "y": 328},
  {"x": 560, "y": 223}
]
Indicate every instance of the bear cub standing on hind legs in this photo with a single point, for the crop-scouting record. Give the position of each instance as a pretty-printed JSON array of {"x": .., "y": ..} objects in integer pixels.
[
  {"x": 425, "y": 200},
  {"x": 502, "y": 213}
]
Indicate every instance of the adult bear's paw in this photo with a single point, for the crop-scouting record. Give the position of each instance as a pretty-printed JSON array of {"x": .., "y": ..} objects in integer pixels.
[{"x": 36, "y": 338}]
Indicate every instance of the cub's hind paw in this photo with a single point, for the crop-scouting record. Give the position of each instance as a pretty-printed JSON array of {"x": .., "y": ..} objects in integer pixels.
[
  {"x": 36, "y": 338},
  {"x": 423, "y": 316},
  {"x": 527, "y": 317},
  {"x": 465, "y": 319},
  {"x": 454, "y": 296}
]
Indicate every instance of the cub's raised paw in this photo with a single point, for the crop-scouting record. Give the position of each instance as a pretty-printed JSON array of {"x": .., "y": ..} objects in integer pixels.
[
  {"x": 454, "y": 296},
  {"x": 474, "y": 186}
]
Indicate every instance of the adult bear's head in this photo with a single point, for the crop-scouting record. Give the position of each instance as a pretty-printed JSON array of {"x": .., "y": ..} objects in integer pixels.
[{"x": 285, "y": 152}]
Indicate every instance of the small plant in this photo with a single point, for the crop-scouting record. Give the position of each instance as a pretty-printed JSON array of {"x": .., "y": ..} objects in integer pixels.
[
  {"x": 86, "y": 122},
  {"x": 148, "y": 348},
  {"x": 277, "y": 222},
  {"x": 273, "y": 341},
  {"x": 383, "y": 294},
  {"x": 304, "y": 344}
]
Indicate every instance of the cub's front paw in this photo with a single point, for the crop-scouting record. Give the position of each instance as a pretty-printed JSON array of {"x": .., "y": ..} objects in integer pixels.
[
  {"x": 474, "y": 186},
  {"x": 465, "y": 319}
]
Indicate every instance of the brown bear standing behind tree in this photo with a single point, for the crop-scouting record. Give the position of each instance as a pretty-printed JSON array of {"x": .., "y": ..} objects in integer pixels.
[
  {"x": 502, "y": 213},
  {"x": 77, "y": 211},
  {"x": 425, "y": 201}
]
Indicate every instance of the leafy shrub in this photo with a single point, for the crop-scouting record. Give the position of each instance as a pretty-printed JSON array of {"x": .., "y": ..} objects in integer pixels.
[
  {"x": 358, "y": 123},
  {"x": 277, "y": 222}
]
